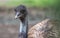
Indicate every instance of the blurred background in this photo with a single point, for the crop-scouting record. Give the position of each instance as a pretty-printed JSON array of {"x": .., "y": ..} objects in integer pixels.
[{"x": 38, "y": 10}]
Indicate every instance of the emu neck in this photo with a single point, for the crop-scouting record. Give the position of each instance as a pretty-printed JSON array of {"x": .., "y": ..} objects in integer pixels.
[{"x": 24, "y": 26}]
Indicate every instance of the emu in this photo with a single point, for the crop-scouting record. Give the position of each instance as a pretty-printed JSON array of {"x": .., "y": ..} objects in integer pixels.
[{"x": 40, "y": 30}]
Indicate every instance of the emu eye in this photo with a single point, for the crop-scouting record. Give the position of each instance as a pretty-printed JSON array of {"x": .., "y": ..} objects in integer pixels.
[{"x": 22, "y": 11}]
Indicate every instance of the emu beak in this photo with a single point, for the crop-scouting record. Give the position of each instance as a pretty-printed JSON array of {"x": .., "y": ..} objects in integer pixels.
[
  {"x": 17, "y": 14},
  {"x": 16, "y": 17}
]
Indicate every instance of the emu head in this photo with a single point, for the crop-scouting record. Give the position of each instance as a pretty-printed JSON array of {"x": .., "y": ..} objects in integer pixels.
[{"x": 20, "y": 12}]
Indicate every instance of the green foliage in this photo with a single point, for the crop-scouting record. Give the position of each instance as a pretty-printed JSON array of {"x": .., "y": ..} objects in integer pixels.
[
  {"x": 29, "y": 3},
  {"x": 54, "y": 11}
]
